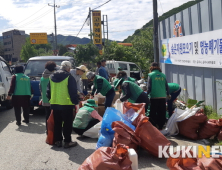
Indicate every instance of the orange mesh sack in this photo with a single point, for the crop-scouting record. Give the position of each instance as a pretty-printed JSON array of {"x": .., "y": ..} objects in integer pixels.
[
  {"x": 209, "y": 129},
  {"x": 107, "y": 158},
  {"x": 184, "y": 163},
  {"x": 137, "y": 107},
  {"x": 50, "y": 129},
  {"x": 151, "y": 138},
  {"x": 189, "y": 127},
  {"x": 211, "y": 163},
  {"x": 124, "y": 135}
]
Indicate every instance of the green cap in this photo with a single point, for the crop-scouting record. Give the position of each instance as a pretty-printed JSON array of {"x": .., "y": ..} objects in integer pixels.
[
  {"x": 120, "y": 69},
  {"x": 91, "y": 103},
  {"x": 120, "y": 81}
]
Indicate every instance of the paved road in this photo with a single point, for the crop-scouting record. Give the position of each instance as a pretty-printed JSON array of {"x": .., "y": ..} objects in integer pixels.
[{"x": 24, "y": 147}]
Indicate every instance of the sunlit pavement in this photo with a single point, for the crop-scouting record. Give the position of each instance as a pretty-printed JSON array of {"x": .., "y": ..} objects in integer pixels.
[{"x": 24, "y": 147}]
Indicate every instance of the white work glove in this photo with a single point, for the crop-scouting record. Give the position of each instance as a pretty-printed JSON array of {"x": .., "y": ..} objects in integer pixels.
[{"x": 118, "y": 101}]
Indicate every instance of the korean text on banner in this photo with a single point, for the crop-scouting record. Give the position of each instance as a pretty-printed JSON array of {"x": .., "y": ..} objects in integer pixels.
[
  {"x": 38, "y": 38},
  {"x": 201, "y": 50},
  {"x": 97, "y": 37}
]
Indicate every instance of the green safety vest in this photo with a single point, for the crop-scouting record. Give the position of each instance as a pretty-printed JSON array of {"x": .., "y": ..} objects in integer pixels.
[
  {"x": 22, "y": 85},
  {"x": 135, "y": 90},
  {"x": 158, "y": 84},
  {"x": 131, "y": 79},
  {"x": 106, "y": 86},
  {"x": 83, "y": 117},
  {"x": 173, "y": 87},
  {"x": 60, "y": 93},
  {"x": 44, "y": 82}
]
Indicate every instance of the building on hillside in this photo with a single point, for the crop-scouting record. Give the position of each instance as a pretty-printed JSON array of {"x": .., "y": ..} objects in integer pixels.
[
  {"x": 71, "y": 47},
  {"x": 126, "y": 44},
  {"x": 12, "y": 43},
  {"x": 191, "y": 51}
]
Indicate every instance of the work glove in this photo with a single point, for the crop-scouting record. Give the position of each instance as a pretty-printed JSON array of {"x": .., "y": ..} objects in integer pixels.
[
  {"x": 168, "y": 97},
  {"x": 118, "y": 101}
]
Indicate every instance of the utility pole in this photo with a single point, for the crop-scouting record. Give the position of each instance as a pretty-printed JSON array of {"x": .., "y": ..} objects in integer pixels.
[
  {"x": 155, "y": 32},
  {"x": 90, "y": 24},
  {"x": 55, "y": 6}
]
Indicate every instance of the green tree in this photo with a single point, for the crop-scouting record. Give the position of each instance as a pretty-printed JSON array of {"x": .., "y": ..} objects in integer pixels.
[
  {"x": 28, "y": 50},
  {"x": 62, "y": 49},
  {"x": 69, "y": 54},
  {"x": 86, "y": 54}
]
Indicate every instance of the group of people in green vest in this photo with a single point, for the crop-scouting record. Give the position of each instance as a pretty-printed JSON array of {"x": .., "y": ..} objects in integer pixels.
[{"x": 59, "y": 94}]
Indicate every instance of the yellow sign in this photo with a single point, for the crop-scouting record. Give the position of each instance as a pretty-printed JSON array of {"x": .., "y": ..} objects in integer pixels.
[
  {"x": 97, "y": 31},
  {"x": 38, "y": 38}
]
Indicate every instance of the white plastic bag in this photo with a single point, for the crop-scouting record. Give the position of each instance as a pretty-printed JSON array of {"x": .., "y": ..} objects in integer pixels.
[
  {"x": 119, "y": 106},
  {"x": 180, "y": 115},
  {"x": 94, "y": 131}
]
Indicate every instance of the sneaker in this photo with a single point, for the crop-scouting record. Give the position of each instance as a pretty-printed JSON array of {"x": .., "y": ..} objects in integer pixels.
[
  {"x": 70, "y": 144},
  {"x": 25, "y": 121},
  {"x": 58, "y": 143},
  {"x": 18, "y": 123}
]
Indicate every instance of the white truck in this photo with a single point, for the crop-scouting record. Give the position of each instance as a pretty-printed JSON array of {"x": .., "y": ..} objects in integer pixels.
[
  {"x": 5, "y": 81},
  {"x": 130, "y": 68}
]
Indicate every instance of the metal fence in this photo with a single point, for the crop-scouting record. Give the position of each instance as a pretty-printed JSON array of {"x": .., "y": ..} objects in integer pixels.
[{"x": 197, "y": 82}]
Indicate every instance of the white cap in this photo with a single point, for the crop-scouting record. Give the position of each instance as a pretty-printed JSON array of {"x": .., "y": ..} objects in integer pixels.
[
  {"x": 66, "y": 64},
  {"x": 83, "y": 68}
]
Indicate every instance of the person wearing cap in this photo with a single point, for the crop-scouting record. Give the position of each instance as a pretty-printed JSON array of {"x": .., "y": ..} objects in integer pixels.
[
  {"x": 77, "y": 73},
  {"x": 20, "y": 91},
  {"x": 101, "y": 85},
  {"x": 158, "y": 91},
  {"x": 120, "y": 69},
  {"x": 50, "y": 67},
  {"x": 174, "y": 90},
  {"x": 62, "y": 95},
  {"x": 86, "y": 117},
  {"x": 97, "y": 69},
  {"x": 122, "y": 74},
  {"x": 131, "y": 92},
  {"x": 84, "y": 82}
]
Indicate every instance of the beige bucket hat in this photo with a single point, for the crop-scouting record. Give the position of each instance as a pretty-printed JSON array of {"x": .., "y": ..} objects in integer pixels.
[{"x": 83, "y": 68}]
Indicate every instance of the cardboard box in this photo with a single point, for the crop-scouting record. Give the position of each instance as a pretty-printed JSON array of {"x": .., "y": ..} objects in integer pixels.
[
  {"x": 101, "y": 100},
  {"x": 100, "y": 110}
]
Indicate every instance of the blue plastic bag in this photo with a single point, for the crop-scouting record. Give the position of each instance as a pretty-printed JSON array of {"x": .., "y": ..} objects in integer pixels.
[
  {"x": 107, "y": 133},
  {"x": 131, "y": 115}
]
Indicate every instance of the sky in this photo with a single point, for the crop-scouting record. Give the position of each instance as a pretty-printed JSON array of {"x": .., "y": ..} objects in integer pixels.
[{"x": 124, "y": 16}]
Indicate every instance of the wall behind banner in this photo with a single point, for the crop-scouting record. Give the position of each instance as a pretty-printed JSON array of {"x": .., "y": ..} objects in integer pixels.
[{"x": 200, "y": 83}]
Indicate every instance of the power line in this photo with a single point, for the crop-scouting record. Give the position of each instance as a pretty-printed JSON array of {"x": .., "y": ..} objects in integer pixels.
[
  {"x": 31, "y": 15},
  {"x": 161, "y": 6},
  {"x": 81, "y": 28},
  {"x": 101, "y": 5},
  {"x": 37, "y": 18}
]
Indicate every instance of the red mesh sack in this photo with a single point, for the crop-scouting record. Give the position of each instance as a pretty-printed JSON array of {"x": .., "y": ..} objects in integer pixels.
[
  {"x": 107, "y": 158},
  {"x": 189, "y": 127},
  {"x": 184, "y": 163},
  {"x": 209, "y": 129},
  {"x": 151, "y": 138},
  {"x": 124, "y": 135},
  {"x": 50, "y": 129},
  {"x": 137, "y": 107},
  {"x": 211, "y": 163}
]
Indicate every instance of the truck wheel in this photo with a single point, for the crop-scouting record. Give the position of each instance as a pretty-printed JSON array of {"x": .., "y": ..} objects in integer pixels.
[{"x": 9, "y": 104}]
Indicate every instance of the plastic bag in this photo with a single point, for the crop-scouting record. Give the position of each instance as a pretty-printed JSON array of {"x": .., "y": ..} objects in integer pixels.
[
  {"x": 131, "y": 115},
  {"x": 151, "y": 138},
  {"x": 184, "y": 163},
  {"x": 138, "y": 107},
  {"x": 189, "y": 127},
  {"x": 50, "y": 129},
  {"x": 93, "y": 132},
  {"x": 118, "y": 106},
  {"x": 209, "y": 129},
  {"x": 111, "y": 115},
  {"x": 107, "y": 158},
  {"x": 124, "y": 135}
]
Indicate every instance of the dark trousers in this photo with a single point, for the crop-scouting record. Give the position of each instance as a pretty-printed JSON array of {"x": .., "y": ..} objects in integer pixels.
[
  {"x": 170, "y": 102},
  {"x": 109, "y": 98},
  {"x": 18, "y": 113},
  {"x": 47, "y": 114},
  {"x": 158, "y": 112},
  {"x": 143, "y": 98},
  {"x": 85, "y": 84},
  {"x": 65, "y": 116},
  {"x": 91, "y": 124}
]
